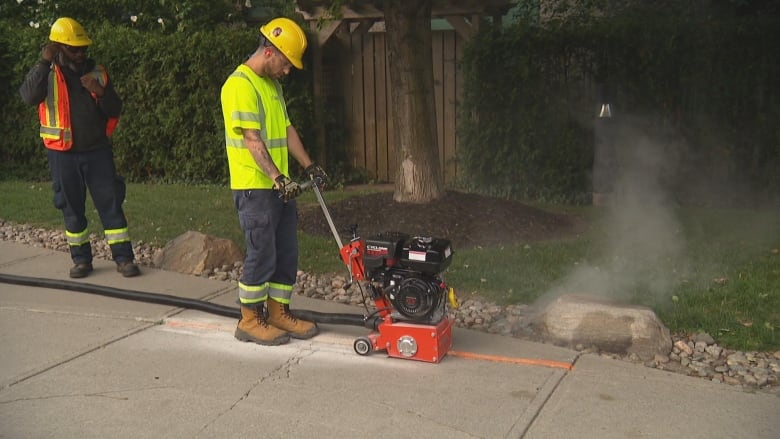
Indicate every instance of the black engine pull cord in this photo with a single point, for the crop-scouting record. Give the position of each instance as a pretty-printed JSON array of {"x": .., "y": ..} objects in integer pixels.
[{"x": 370, "y": 322}]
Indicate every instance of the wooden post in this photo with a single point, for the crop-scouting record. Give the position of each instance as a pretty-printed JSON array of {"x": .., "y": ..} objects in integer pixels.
[{"x": 319, "y": 99}]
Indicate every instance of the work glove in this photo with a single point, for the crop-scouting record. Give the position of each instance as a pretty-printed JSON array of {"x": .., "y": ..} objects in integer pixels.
[
  {"x": 317, "y": 174},
  {"x": 287, "y": 188}
]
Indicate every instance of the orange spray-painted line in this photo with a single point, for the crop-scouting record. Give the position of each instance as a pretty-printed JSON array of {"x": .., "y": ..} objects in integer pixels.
[{"x": 513, "y": 360}]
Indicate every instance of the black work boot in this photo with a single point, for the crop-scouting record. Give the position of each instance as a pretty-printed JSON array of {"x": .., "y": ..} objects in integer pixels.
[
  {"x": 127, "y": 268},
  {"x": 81, "y": 269}
]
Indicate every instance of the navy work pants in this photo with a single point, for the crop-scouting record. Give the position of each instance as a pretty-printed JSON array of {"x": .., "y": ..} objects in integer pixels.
[
  {"x": 72, "y": 173},
  {"x": 270, "y": 231}
]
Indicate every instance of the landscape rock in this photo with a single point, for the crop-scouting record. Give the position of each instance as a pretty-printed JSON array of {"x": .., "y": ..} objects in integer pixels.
[
  {"x": 611, "y": 327},
  {"x": 704, "y": 338},
  {"x": 194, "y": 252}
]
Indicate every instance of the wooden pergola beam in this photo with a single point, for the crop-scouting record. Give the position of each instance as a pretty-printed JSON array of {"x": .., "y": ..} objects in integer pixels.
[
  {"x": 461, "y": 26},
  {"x": 325, "y": 31},
  {"x": 345, "y": 13},
  {"x": 316, "y": 10},
  {"x": 361, "y": 26}
]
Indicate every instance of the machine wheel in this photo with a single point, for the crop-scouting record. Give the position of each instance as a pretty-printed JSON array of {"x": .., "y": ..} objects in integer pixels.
[{"x": 362, "y": 346}]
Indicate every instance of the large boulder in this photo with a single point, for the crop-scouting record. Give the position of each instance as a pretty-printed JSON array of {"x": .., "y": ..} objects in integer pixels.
[
  {"x": 193, "y": 252},
  {"x": 570, "y": 320}
]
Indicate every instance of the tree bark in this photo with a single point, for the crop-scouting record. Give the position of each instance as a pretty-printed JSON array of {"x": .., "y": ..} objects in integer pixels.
[{"x": 418, "y": 176}]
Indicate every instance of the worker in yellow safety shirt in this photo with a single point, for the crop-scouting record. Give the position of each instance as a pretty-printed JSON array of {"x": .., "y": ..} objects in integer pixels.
[
  {"x": 259, "y": 138},
  {"x": 78, "y": 111}
]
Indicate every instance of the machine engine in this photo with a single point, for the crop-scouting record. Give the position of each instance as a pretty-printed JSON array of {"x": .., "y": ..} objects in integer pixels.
[{"x": 406, "y": 270}]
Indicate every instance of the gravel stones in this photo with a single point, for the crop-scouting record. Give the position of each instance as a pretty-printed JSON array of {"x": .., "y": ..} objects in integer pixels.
[{"x": 696, "y": 355}]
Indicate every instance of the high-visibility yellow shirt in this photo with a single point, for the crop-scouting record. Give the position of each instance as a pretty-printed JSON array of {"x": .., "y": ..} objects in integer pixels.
[{"x": 251, "y": 102}]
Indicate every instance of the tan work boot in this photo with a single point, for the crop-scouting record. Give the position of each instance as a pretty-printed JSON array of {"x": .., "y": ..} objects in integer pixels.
[
  {"x": 279, "y": 316},
  {"x": 253, "y": 327}
]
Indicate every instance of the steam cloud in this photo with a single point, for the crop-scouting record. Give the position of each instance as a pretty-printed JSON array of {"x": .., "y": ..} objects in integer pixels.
[{"x": 644, "y": 243}]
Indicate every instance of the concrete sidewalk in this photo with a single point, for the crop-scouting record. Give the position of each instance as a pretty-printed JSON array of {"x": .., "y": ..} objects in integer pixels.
[{"x": 81, "y": 365}]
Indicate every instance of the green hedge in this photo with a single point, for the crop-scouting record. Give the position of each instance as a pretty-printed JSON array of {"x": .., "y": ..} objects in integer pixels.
[
  {"x": 21, "y": 152},
  {"x": 704, "y": 90},
  {"x": 519, "y": 131},
  {"x": 171, "y": 127}
]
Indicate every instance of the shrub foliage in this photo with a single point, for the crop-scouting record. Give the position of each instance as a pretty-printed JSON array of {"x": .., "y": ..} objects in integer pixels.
[{"x": 704, "y": 87}]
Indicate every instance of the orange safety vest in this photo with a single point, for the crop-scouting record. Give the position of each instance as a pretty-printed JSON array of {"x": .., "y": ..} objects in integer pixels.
[{"x": 54, "y": 111}]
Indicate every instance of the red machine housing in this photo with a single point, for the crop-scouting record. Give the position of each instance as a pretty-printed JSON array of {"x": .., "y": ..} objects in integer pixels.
[
  {"x": 413, "y": 341},
  {"x": 400, "y": 338}
]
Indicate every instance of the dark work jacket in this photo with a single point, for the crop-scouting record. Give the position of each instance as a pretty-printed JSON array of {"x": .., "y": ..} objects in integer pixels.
[{"x": 88, "y": 118}]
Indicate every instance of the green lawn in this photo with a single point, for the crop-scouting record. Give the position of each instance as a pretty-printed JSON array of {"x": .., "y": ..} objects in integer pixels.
[{"x": 716, "y": 270}]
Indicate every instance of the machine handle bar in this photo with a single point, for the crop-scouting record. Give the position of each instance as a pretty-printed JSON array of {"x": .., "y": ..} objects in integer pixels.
[{"x": 315, "y": 187}]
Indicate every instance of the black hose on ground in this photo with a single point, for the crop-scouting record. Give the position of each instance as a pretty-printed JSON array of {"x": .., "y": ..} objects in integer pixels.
[
  {"x": 139, "y": 296},
  {"x": 183, "y": 302},
  {"x": 371, "y": 322}
]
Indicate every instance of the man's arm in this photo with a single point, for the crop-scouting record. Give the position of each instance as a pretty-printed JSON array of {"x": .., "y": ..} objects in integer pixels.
[
  {"x": 259, "y": 152},
  {"x": 110, "y": 102},
  {"x": 36, "y": 83},
  {"x": 107, "y": 99}
]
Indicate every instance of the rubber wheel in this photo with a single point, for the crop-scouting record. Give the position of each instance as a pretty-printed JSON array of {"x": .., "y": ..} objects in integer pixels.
[{"x": 362, "y": 346}]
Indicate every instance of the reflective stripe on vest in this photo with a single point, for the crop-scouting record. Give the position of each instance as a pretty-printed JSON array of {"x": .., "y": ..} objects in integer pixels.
[
  {"x": 116, "y": 236},
  {"x": 77, "y": 239},
  {"x": 54, "y": 111},
  {"x": 271, "y": 143}
]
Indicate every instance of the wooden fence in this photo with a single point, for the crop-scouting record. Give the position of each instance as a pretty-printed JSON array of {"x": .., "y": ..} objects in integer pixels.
[{"x": 359, "y": 93}]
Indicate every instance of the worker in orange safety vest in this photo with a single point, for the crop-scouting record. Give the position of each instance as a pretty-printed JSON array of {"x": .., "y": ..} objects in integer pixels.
[{"x": 78, "y": 110}]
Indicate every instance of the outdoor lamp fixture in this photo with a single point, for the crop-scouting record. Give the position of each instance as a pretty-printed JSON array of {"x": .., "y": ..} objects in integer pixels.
[
  {"x": 605, "y": 96},
  {"x": 606, "y": 110}
]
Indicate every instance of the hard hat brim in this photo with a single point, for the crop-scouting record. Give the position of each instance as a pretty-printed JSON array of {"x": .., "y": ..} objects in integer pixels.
[
  {"x": 296, "y": 63},
  {"x": 80, "y": 43}
]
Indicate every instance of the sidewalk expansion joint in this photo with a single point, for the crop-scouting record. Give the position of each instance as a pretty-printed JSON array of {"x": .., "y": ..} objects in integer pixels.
[{"x": 545, "y": 392}]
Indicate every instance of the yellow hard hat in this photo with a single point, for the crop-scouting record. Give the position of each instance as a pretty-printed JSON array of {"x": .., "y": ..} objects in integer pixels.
[
  {"x": 288, "y": 37},
  {"x": 68, "y": 31}
]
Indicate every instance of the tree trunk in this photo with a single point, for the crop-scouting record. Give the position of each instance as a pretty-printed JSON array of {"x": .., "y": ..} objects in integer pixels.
[{"x": 418, "y": 176}]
